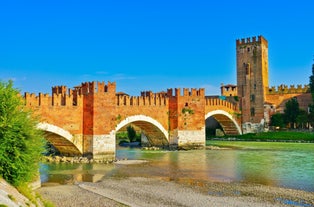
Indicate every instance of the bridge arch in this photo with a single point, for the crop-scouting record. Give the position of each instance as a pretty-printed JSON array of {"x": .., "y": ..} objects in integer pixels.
[
  {"x": 226, "y": 120},
  {"x": 61, "y": 139},
  {"x": 155, "y": 133}
]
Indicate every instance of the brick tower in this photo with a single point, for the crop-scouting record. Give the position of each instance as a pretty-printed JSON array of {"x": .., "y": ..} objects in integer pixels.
[{"x": 252, "y": 81}]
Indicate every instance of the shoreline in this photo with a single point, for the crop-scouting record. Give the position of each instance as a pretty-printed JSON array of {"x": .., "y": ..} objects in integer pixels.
[{"x": 140, "y": 191}]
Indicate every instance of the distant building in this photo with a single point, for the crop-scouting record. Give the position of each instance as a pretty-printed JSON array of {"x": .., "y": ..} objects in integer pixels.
[{"x": 229, "y": 90}]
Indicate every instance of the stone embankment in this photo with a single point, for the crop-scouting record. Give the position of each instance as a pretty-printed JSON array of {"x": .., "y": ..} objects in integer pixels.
[{"x": 10, "y": 196}]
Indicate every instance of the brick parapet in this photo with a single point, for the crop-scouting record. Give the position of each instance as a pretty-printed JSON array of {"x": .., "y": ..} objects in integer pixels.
[
  {"x": 142, "y": 101},
  {"x": 54, "y": 100},
  {"x": 244, "y": 41},
  {"x": 186, "y": 92},
  {"x": 96, "y": 87},
  {"x": 219, "y": 102},
  {"x": 284, "y": 89}
]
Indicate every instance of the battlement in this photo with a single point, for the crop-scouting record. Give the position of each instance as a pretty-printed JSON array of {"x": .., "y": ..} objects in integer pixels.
[
  {"x": 219, "y": 102},
  {"x": 96, "y": 87},
  {"x": 253, "y": 40},
  {"x": 284, "y": 89},
  {"x": 228, "y": 90},
  {"x": 54, "y": 100},
  {"x": 151, "y": 94},
  {"x": 59, "y": 89},
  {"x": 156, "y": 100},
  {"x": 186, "y": 92}
]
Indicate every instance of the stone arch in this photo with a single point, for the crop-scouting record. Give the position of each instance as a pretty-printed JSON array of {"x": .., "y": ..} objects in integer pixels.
[
  {"x": 156, "y": 134},
  {"x": 227, "y": 122},
  {"x": 61, "y": 139}
]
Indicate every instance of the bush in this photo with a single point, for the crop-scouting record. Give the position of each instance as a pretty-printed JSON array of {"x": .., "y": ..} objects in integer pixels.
[{"x": 21, "y": 143}]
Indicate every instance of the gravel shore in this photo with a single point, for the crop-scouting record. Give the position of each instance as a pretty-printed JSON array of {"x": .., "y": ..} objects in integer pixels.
[{"x": 139, "y": 191}]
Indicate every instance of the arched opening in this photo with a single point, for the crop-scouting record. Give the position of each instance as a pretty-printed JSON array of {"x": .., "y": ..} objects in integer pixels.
[
  {"x": 220, "y": 123},
  {"x": 149, "y": 132},
  {"x": 213, "y": 128},
  {"x": 60, "y": 139}
]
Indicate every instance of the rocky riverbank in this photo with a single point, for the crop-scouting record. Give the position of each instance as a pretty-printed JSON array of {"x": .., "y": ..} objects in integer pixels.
[
  {"x": 65, "y": 159},
  {"x": 139, "y": 191}
]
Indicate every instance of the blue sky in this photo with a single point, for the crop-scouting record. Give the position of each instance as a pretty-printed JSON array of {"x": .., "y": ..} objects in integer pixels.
[{"x": 149, "y": 45}]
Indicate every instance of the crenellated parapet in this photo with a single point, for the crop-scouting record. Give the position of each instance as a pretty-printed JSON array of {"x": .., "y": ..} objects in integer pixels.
[
  {"x": 193, "y": 92},
  {"x": 284, "y": 89},
  {"x": 61, "y": 96},
  {"x": 96, "y": 87},
  {"x": 157, "y": 100},
  {"x": 57, "y": 99},
  {"x": 219, "y": 102},
  {"x": 245, "y": 41},
  {"x": 151, "y": 94}
]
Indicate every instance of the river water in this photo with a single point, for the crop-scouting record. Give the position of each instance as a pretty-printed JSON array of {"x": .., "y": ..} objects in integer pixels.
[{"x": 289, "y": 165}]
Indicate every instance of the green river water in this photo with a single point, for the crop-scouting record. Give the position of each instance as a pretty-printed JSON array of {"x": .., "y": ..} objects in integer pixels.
[{"x": 289, "y": 165}]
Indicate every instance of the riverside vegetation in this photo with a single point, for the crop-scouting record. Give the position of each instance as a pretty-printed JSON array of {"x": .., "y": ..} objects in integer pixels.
[{"x": 21, "y": 143}]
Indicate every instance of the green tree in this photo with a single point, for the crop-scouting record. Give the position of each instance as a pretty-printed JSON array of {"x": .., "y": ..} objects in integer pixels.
[
  {"x": 291, "y": 112},
  {"x": 131, "y": 133},
  {"x": 21, "y": 143},
  {"x": 311, "y": 106},
  {"x": 302, "y": 119},
  {"x": 277, "y": 120},
  {"x": 312, "y": 83}
]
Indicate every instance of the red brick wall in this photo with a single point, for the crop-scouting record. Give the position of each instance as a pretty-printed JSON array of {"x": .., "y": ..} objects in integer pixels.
[{"x": 279, "y": 100}]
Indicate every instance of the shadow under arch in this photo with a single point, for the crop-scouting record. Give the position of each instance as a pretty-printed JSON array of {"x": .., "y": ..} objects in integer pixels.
[
  {"x": 227, "y": 122},
  {"x": 155, "y": 133},
  {"x": 61, "y": 139}
]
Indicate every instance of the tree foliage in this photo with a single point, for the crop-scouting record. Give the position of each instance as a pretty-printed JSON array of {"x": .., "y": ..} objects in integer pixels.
[
  {"x": 312, "y": 83},
  {"x": 21, "y": 143},
  {"x": 311, "y": 106},
  {"x": 291, "y": 112},
  {"x": 277, "y": 120},
  {"x": 302, "y": 119}
]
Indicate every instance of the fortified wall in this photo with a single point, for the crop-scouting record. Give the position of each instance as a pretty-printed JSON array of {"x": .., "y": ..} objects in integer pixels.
[
  {"x": 89, "y": 116},
  {"x": 276, "y": 98},
  {"x": 63, "y": 109}
]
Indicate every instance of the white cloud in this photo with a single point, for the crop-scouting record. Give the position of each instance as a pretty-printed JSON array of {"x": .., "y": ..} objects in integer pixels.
[{"x": 121, "y": 76}]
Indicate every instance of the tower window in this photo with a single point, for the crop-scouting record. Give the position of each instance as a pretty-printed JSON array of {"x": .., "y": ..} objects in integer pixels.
[
  {"x": 252, "y": 98},
  {"x": 252, "y": 111},
  {"x": 248, "y": 49},
  {"x": 247, "y": 68}
]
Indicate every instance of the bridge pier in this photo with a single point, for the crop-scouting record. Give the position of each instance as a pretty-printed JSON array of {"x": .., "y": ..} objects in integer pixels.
[
  {"x": 189, "y": 139},
  {"x": 100, "y": 147}
]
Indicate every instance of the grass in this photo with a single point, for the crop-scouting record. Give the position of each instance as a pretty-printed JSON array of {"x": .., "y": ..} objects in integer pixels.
[
  {"x": 277, "y": 136},
  {"x": 11, "y": 197},
  {"x": 32, "y": 196}
]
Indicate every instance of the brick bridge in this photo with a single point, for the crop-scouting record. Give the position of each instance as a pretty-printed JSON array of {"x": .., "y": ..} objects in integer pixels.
[{"x": 84, "y": 120}]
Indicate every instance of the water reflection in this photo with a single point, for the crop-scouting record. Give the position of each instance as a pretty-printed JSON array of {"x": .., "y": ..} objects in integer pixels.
[
  {"x": 256, "y": 167},
  {"x": 275, "y": 167}
]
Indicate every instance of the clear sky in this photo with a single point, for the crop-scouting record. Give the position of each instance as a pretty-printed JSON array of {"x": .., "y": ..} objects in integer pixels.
[{"x": 149, "y": 44}]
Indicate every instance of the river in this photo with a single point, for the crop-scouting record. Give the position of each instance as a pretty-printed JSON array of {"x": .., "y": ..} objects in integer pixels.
[{"x": 289, "y": 165}]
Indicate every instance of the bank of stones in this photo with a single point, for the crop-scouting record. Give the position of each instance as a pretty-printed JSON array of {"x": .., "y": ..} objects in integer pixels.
[{"x": 64, "y": 159}]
